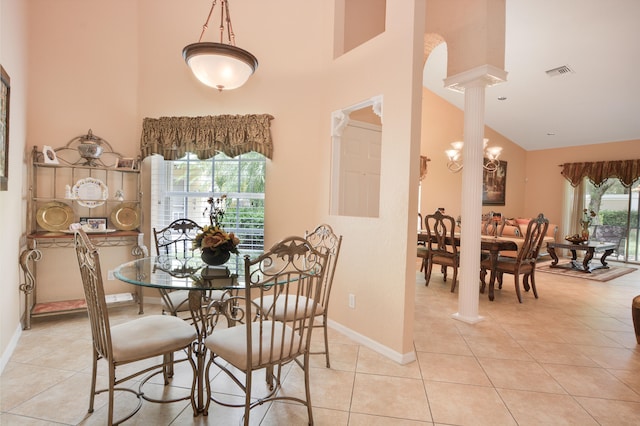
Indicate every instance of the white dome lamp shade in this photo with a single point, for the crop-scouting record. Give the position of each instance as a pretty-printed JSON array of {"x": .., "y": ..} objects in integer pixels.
[{"x": 220, "y": 65}]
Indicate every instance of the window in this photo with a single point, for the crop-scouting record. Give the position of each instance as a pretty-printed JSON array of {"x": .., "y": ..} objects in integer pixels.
[{"x": 180, "y": 189}]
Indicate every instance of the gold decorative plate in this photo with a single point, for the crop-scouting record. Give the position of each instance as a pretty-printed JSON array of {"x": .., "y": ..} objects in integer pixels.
[
  {"x": 55, "y": 216},
  {"x": 126, "y": 217}
]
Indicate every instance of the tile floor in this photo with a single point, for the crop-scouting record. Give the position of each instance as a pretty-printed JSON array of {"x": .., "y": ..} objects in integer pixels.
[{"x": 568, "y": 358}]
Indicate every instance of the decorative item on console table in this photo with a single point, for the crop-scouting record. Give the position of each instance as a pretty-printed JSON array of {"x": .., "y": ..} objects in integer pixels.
[{"x": 215, "y": 243}]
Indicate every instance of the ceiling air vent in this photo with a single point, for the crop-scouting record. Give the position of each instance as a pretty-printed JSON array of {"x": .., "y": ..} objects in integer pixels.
[{"x": 559, "y": 71}]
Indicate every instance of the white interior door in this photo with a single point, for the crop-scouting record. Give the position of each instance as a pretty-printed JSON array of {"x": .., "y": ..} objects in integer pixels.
[{"x": 360, "y": 151}]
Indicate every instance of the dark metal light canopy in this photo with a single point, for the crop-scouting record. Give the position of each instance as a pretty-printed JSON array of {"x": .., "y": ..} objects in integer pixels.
[{"x": 220, "y": 65}]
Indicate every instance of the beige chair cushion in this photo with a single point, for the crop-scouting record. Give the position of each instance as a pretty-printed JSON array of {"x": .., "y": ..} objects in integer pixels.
[
  {"x": 231, "y": 343},
  {"x": 180, "y": 299},
  {"x": 148, "y": 336},
  {"x": 278, "y": 313}
]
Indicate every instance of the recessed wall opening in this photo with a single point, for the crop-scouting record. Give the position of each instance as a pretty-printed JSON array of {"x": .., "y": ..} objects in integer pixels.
[
  {"x": 356, "y": 151},
  {"x": 356, "y": 22}
]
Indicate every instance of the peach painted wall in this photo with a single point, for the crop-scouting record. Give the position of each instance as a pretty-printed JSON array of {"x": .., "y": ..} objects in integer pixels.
[{"x": 442, "y": 123}]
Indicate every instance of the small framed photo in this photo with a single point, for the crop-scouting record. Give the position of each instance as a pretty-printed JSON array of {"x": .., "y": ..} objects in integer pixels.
[
  {"x": 126, "y": 163},
  {"x": 49, "y": 154},
  {"x": 93, "y": 224}
]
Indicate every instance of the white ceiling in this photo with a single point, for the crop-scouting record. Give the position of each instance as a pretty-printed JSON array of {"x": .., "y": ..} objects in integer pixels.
[{"x": 598, "y": 102}]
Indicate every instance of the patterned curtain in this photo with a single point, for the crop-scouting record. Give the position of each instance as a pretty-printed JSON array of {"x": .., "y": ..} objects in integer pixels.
[
  {"x": 173, "y": 137},
  {"x": 597, "y": 172}
]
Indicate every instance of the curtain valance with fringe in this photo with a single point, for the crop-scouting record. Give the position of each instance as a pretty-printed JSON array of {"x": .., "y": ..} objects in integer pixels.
[
  {"x": 173, "y": 137},
  {"x": 625, "y": 170}
]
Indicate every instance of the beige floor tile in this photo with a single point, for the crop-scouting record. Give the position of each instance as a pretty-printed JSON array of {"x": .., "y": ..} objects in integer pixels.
[
  {"x": 482, "y": 405},
  {"x": 452, "y": 368},
  {"x": 330, "y": 388},
  {"x": 557, "y": 353},
  {"x": 282, "y": 413},
  {"x": 372, "y": 362},
  {"x": 591, "y": 382},
  {"x": 436, "y": 342},
  {"x": 390, "y": 397},
  {"x": 612, "y": 413},
  {"x": 619, "y": 358},
  {"x": 497, "y": 347},
  {"x": 537, "y": 408},
  {"x": 519, "y": 375},
  {"x": 357, "y": 419},
  {"x": 21, "y": 382}
]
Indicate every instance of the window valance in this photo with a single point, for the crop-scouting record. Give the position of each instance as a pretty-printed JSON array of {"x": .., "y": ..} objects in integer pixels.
[
  {"x": 173, "y": 137},
  {"x": 626, "y": 170}
]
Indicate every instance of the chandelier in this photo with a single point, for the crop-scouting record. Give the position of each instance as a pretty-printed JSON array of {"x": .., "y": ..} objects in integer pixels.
[
  {"x": 455, "y": 156},
  {"x": 220, "y": 65}
]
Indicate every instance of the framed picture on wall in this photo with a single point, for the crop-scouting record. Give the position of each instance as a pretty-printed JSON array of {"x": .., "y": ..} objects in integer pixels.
[
  {"x": 494, "y": 185},
  {"x": 5, "y": 92}
]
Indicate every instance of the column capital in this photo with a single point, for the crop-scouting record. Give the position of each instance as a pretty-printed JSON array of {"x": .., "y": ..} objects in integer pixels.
[{"x": 482, "y": 76}]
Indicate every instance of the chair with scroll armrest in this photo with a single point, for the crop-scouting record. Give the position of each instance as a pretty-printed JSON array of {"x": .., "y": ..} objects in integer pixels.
[
  {"x": 441, "y": 247},
  {"x": 176, "y": 239},
  {"x": 525, "y": 261},
  {"x": 291, "y": 273},
  {"x": 144, "y": 338}
]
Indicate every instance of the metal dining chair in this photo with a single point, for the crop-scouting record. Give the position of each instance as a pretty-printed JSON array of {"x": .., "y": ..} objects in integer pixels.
[
  {"x": 176, "y": 239},
  {"x": 292, "y": 274},
  {"x": 144, "y": 338}
]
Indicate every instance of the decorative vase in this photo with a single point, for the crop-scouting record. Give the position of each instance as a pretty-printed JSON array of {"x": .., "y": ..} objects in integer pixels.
[
  {"x": 585, "y": 231},
  {"x": 211, "y": 257}
]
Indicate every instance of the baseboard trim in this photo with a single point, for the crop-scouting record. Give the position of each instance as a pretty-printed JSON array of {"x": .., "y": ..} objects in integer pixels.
[{"x": 373, "y": 345}]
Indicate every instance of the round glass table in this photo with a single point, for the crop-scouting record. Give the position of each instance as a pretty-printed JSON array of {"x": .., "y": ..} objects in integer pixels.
[{"x": 212, "y": 295}]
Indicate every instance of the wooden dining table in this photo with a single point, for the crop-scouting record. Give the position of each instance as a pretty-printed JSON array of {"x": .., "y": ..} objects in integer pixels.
[{"x": 492, "y": 245}]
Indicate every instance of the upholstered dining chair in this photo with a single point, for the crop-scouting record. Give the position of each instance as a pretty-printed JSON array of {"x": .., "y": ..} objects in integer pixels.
[
  {"x": 291, "y": 272},
  {"x": 176, "y": 239},
  {"x": 441, "y": 247},
  {"x": 525, "y": 261},
  {"x": 144, "y": 338}
]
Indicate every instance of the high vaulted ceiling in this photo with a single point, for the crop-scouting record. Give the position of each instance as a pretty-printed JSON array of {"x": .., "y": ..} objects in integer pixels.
[{"x": 597, "y": 100}]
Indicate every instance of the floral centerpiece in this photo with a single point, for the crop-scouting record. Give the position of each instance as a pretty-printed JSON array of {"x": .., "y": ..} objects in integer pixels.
[{"x": 215, "y": 243}]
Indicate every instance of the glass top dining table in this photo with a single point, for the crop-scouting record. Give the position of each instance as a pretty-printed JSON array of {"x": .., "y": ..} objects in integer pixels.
[{"x": 169, "y": 272}]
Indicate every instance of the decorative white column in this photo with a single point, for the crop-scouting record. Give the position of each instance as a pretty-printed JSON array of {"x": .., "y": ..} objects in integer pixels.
[{"x": 473, "y": 84}]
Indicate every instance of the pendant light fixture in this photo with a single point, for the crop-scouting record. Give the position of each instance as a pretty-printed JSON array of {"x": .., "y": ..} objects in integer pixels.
[{"x": 220, "y": 65}]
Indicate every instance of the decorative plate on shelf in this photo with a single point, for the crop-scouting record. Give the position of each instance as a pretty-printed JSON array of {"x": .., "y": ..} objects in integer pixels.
[
  {"x": 55, "y": 216},
  {"x": 126, "y": 217},
  {"x": 90, "y": 192}
]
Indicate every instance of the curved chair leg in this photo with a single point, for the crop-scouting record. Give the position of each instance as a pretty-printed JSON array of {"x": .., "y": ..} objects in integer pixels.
[
  {"x": 517, "y": 284},
  {"x": 454, "y": 280},
  {"x": 533, "y": 284},
  {"x": 444, "y": 273},
  {"x": 525, "y": 282},
  {"x": 427, "y": 272}
]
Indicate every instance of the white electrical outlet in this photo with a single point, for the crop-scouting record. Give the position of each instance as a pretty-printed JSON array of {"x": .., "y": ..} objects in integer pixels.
[
  {"x": 110, "y": 275},
  {"x": 352, "y": 301}
]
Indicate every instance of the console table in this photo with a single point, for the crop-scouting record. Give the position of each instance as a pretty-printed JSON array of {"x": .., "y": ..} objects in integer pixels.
[{"x": 589, "y": 247}]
